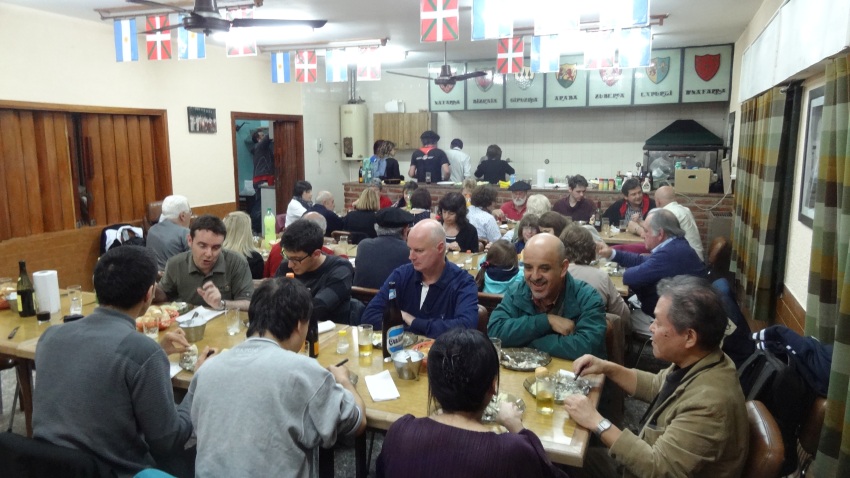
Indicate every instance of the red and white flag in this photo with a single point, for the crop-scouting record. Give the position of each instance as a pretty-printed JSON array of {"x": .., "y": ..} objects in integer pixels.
[
  {"x": 305, "y": 66},
  {"x": 240, "y": 41},
  {"x": 509, "y": 57},
  {"x": 438, "y": 20},
  {"x": 369, "y": 64},
  {"x": 159, "y": 43}
]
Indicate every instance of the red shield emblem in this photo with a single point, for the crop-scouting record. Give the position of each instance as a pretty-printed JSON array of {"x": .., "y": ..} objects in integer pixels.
[
  {"x": 447, "y": 88},
  {"x": 610, "y": 75},
  {"x": 707, "y": 66}
]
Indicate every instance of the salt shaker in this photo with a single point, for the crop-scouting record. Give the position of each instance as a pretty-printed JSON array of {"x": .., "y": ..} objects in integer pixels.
[{"x": 342, "y": 342}]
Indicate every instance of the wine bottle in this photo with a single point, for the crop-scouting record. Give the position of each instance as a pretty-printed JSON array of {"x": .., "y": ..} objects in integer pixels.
[
  {"x": 313, "y": 338},
  {"x": 597, "y": 217},
  {"x": 360, "y": 175},
  {"x": 392, "y": 325},
  {"x": 26, "y": 293}
]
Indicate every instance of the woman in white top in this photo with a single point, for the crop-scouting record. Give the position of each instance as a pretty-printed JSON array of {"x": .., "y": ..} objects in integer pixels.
[{"x": 300, "y": 203}]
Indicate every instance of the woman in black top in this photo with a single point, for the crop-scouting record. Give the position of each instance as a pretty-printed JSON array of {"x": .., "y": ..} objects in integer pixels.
[
  {"x": 493, "y": 169},
  {"x": 387, "y": 151},
  {"x": 460, "y": 234},
  {"x": 361, "y": 221}
]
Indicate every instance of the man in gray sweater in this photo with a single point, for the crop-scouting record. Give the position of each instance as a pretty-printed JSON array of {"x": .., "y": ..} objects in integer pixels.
[
  {"x": 262, "y": 409},
  {"x": 103, "y": 387}
]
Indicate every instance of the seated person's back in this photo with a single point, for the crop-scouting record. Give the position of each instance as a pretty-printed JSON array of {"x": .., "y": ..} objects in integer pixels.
[
  {"x": 378, "y": 257},
  {"x": 500, "y": 269},
  {"x": 169, "y": 236}
]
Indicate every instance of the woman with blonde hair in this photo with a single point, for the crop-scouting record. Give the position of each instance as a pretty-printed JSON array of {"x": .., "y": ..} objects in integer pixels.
[
  {"x": 361, "y": 221},
  {"x": 240, "y": 239}
]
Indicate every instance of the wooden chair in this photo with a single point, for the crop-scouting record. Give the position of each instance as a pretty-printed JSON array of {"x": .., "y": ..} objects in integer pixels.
[
  {"x": 363, "y": 294},
  {"x": 719, "y": 258},
  {"x": 482, "y": 244},
  {"x": 483, "y": 318},
  {"x": 767, "y": 452},
  {"x": 336, "y": 234},
  {"x": 152, "y": 212},
  {"x": 615, "y": 346},
  {"x": 809, "y": 434},
  {"x": 489, "y": 301}
]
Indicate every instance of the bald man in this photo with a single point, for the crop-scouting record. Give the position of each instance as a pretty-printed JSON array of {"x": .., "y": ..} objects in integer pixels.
[
  {"x": 665, "y": 197},
  {"x": 550, "y": 311},
  {"x": 434, "y": 294}
]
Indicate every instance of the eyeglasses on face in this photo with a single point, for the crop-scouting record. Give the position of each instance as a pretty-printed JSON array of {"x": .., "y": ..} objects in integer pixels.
[{"x": 294, "y": 259}]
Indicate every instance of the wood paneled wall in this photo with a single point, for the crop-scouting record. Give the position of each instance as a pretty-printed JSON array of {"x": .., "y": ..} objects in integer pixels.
[{"x": 790, "y": 313}]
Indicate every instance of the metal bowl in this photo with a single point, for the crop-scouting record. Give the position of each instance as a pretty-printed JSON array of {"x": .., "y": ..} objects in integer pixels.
[
  {"x": 194, "y": 333},
  {"x": 407, "y": 364}
]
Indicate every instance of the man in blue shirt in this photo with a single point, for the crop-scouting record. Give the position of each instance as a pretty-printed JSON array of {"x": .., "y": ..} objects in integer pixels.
[{"x": 433, "y": 294}]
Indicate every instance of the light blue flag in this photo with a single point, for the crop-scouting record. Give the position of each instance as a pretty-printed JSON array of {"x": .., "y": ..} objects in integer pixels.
[
  {"x": 634, "y": 47},
  {"x": 336, "y": 66},
  {"x": 191, "y": 45},
  {"x": 280, "y": 67},
  {"x": 491, "y": 19},
  {"x": 545, "y": 53},
  {"x": 126, "y": 42}
]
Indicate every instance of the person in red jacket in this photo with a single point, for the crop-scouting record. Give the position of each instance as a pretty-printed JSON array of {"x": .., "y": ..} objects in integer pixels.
[{"x": 634, "y": 206}]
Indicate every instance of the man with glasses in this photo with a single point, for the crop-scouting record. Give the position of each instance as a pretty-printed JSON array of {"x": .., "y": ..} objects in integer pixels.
[
  {"x": 207, "y": 274},
  {"x": 329, "y": 278}
]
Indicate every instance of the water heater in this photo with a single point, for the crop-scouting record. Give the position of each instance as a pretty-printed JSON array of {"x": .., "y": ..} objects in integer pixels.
[{"x": 353, "y": 129}]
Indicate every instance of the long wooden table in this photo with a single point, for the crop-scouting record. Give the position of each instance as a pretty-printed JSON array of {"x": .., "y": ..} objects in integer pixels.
[
  {"x": 622, "y": 238},
  {"x": 564, "y": 441}
]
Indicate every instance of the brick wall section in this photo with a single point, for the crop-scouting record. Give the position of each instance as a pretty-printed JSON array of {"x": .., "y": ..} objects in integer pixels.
[{"x": 695, "y": 202}]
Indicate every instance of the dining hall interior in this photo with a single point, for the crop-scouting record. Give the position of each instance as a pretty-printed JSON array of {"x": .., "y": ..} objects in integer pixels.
[{"x": 60, "y": 85}]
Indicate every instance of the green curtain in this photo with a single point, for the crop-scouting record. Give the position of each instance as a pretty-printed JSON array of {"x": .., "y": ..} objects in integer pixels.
[
  {"x": 828, "y": 301},
  {"x": 759, "y": 179}
]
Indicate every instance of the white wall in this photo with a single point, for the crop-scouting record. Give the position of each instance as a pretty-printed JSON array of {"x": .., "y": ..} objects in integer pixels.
[{"x": 54, "y": 59}]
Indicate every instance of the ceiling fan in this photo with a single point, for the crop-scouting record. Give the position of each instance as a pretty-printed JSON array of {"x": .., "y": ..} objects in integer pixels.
[
  {"x": 446, "y": 79},
  {"x": 204, "y": 18}
]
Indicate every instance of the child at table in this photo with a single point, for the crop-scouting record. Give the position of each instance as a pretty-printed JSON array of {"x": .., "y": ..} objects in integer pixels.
[
  {"x": 525, "y": 230},
  {"x": 463, "y": 374},
  {"x": 500, "y": 268}
]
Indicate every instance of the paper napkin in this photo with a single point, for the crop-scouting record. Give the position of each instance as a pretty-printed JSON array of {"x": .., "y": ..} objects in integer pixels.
[
  {"x": 199, "y": 315},
  {"x": 326, "y": 326},
  {"x": 381, "y": 387}
]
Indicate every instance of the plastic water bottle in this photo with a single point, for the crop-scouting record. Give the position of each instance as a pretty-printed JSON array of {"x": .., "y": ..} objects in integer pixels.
[
  {"x": 268, "y": 227},
  {"x": 513, "y": 179}
]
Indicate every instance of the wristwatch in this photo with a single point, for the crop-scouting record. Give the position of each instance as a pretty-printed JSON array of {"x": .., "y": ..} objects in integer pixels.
[
  {"x": 222, "y": 305},
  {"x": 603, "y": 425}
]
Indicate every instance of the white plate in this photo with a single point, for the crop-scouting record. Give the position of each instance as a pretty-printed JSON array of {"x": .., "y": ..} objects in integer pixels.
[{"x": 446, "y": 183}]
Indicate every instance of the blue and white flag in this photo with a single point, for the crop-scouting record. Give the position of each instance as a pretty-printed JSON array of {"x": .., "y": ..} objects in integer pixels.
[
  {"x": 623, "y": 13},
  {"x": 336, "y": 65},
  {"x": 492, "y": 19},
  {"x": 280, "y": 67},
  {"x": 635, "y": 46},
  {"x": 191, "y": 45},
  {"x": 545, "y": 54},
  {"x": 554, "y": 17},
  {"x": 126, "y": 43}
]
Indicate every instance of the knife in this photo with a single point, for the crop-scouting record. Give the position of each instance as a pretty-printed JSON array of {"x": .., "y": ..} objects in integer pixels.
[{"x": 13, "y": 332}]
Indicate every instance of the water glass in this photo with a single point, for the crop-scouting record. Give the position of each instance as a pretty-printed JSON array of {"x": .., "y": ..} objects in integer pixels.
[
  {"x": 498, "y": 344},
  {"x": 427, "y": 178},
  {"x": 343, "y": 240},
  {"x": 606, "y": 227},
  {"x": 232, "y": 320},
  {"x": 545, "y": 388},
  {"x": 364, "y": 340},
  {"x": 75, "y": 297},
  {"x": 150, "y": 325}
]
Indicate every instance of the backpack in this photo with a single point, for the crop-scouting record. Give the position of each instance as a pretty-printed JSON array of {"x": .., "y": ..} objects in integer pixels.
[{"x": 771, "y": 376}]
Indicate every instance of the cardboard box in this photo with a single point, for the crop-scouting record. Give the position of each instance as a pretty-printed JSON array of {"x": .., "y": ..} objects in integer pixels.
[{"x": 692, "y": 181}]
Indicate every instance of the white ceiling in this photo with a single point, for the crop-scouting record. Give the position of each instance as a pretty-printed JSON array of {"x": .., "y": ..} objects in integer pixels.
[{"x": 690, "y": 23}]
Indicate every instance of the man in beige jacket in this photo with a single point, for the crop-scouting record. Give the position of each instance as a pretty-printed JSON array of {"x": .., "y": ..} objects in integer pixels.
[{"x": 696, "y": 425}]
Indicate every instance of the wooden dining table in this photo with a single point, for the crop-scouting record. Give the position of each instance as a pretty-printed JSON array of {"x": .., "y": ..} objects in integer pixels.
[{"x": 621, "y": 238}]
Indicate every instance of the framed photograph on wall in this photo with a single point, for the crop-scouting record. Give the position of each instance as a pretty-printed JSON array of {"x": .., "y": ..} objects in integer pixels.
[
  {"x": 808, "y": 188},
  {"x": 201, "y": 120}
]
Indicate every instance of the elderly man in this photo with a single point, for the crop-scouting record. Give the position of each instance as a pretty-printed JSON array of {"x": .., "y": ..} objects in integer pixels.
[
  {"x": 670, "y": 255},
  {"x": 429, "y": 159},
  {"x": 574, "y": 205},
  {"x": 665, "y": 197},
  {"x": 550, "y": 311},
  {"x": 378, "y": 257},
  {"x": 696, "y": 424},
  {"x": 515, "y": 208},
  {"x": 170, "y": 235},
  {"x": 241, "y": 394},
  {"x": 479, "y": 213},
  {"x": 328, "y": 277},
  {"x": 634, "y": 206},
  {"x": 104, "y": 388},
  {"x": 207, "y": 274},
  {"x": 325, "y": 205},
  {"x": 458, "y": 162},
  {"x": 434, "y": 294}
]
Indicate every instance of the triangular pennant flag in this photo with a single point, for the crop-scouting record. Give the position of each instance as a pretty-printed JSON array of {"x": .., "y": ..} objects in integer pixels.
[
  {"x": 126, "y": 43},
  {"x": 191, "y": 45},
  {"x": 368, "y": 64},
  {"x": 491, "y": 19},
  {"x": 305, "y": 66},
  {"x": 553, "y": 17},
  {"x": 634, "y": 48},
  {"x": 159, "y": 43},
  {"x": 280, "y": 67},
  {"x": 438, "y": 20},
  {"x": 545, "y": 54},
  {"x": 240, "y": 41},
  {"x": 623, "y": 14},
  {"x": 509, "y": 56},
  {"x": 336, "y": 65}
]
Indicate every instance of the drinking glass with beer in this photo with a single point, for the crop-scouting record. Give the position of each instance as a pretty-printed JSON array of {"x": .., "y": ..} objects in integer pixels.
[{"x": 364, "y": 340}]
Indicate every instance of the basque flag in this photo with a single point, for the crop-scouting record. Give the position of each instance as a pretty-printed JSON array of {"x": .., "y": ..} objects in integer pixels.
[
  {"x": 438, "y": 20},
  {"x": 126, "y": 43},
  {"x": 305, "y": 66},
  {"x": 368, "y": 64},
  {"x": 491, "y": 19},
  {"x": 159, "y": 43},
  {"x": 191, "y": 45},
  {"x": 280, "y": 67},
  {"x": 336, "y": 65},
  {"x": 545, "y": 54},
  {"x": 240, "y": 41},
  {"x": 509, "y": 57}
]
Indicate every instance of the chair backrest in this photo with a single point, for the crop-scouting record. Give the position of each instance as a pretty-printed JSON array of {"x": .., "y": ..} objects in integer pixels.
[
  {"x": 483, "y": 318},
  {"x": 767, "y": 451},
  {"x": 615, "y": 339},
  {"x": 336, "y": 234},
  {"x": 363, "y": 294},
  {"x": 811, "y": 427},
  {"x": 29, "y": 458},
  {"x": 153, "y": 211},
  {"x": 489, "y": 301},
  {"x": 482, "y": 244},
  {"x": 719, "y": 257}
]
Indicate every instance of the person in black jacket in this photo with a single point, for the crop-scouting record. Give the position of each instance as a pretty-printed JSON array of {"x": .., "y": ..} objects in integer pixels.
[
  {"x": 494, "y": 169},
  {"x": 386, "y": 152},
  {"x": 460, "y": 234},
  {"x": 324, "y": 205},
  {"x": 361, "y": 221}
]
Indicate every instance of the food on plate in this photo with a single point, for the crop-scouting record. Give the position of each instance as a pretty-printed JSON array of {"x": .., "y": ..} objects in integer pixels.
[{"x": 540, "y": 371}]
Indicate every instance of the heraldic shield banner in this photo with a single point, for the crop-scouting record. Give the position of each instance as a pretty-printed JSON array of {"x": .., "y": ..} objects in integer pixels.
[
  {"x": 659, "y": 83},
  {"x": 568, "y": 87},
  {"x": 707, "y": 73}
]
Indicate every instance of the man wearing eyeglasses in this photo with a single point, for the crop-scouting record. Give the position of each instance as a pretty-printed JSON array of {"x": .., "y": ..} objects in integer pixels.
[{"x": 329, "y": 278}]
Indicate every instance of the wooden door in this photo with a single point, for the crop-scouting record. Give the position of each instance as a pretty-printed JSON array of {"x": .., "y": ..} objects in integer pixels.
[{"x": 289, "y": 159}]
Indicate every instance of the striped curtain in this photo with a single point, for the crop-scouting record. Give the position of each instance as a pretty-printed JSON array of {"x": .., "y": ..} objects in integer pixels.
[
  {"x": 757, "y": 196},
  {"x": 828, "y": 301}
]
